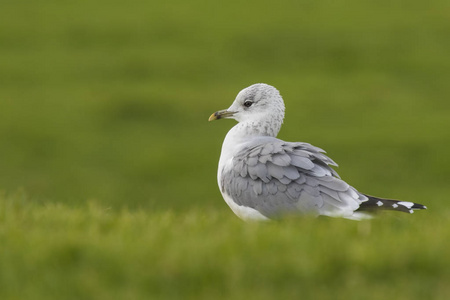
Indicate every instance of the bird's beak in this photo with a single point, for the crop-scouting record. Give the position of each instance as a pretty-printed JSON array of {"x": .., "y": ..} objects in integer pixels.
[{"x": 221, "y": 114}]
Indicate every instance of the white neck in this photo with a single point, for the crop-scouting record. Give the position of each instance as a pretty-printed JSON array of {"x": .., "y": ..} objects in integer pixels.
[{"x": 243, "y": 131}]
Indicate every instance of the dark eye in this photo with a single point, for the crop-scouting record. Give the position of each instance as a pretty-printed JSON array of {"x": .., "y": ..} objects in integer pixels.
[{"x": 248, "y": 103}]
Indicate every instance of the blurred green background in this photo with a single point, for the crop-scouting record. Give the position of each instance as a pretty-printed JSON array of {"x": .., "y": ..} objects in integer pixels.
[{"x": 108, "y": 101}]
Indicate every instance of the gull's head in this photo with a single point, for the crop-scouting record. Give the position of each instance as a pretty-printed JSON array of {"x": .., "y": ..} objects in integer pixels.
[{"x": 258, "y": 103}]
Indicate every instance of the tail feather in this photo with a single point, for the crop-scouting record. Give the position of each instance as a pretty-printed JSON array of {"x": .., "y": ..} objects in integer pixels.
[{"x": 374, "y": 204}]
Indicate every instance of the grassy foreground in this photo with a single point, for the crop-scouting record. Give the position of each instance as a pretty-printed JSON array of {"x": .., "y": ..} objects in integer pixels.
[{"x": 92, "y": 252}]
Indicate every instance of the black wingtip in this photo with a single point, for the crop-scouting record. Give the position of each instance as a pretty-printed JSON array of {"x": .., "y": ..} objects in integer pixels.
[{"x": 375, "y": 203}]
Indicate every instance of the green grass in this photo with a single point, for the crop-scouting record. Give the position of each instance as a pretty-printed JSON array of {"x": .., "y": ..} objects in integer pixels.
[
  {"x": 103, "y": 124},
  {"x": 92, "y": 252}
]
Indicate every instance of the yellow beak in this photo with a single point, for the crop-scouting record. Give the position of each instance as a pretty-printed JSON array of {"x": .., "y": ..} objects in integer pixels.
[{"x": 221, "y": 114}]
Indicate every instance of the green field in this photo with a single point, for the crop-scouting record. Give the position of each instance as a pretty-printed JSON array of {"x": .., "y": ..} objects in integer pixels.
[{"x": 108, "y": 164}]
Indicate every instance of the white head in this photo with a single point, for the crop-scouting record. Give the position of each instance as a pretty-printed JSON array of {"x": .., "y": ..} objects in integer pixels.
[{"x": 259, "y": 107}]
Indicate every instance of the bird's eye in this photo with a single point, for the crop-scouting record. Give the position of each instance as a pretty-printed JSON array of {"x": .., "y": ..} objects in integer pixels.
[{"x": 248, "y": 103}]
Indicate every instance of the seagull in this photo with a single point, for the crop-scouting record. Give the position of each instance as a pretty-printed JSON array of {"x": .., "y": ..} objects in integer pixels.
[{"x": 262, "y": 177}]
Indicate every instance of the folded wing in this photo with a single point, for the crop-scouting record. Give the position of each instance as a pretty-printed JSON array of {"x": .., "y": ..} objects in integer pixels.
[{"x": 276, "y": 177}]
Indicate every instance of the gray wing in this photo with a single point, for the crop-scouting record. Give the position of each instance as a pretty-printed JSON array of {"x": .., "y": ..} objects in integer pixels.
[{"x": 277, "y": 177}]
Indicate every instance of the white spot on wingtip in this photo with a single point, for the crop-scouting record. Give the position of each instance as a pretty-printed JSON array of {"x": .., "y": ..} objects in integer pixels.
[
  {"x": 394, "y": 205},
  {"x": 424, "y": 207},
  {"x": 406, "y": 204},
  {"x": 379, "y": 203},
  {"x": 411, "y": 211}
]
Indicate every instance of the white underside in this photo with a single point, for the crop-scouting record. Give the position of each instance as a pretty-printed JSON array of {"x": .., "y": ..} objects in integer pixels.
[
  {"x": 249, "y": 214},
  {"x": 360, "y": 215},
  {"x": 244, "y": 212}
]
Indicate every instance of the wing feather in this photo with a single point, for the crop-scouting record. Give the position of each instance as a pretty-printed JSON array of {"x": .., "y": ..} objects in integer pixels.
[{"x": 276, "y": 177}]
